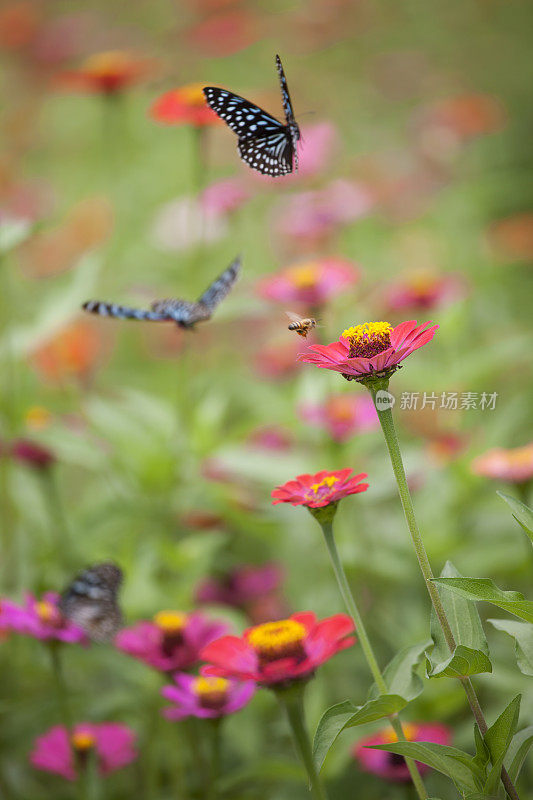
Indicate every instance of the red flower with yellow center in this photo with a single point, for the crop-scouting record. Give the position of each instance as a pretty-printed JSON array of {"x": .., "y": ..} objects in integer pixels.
[
  {"x": 184, "y": 106},
  {"x": 373, "y": 349},
  {"x": 514, "y": 465},
  {"x": 75, "y": 351},
  {"x": 319, "y": 490},
  {"x": 277, "y": 653},
  {"x": 107, "y": 73}
]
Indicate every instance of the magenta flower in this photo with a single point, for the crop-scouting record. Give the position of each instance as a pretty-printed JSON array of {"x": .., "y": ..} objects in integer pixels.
[
  {"x": 512, "y": 466},
  {"x": 32, "y": 454},
  {"x": 388, "y": 765},
  {"x": 206, "y": 697},
  {"x": 342, "y": 415},
  {"x": 112, "y": 743},
  {"x": 280, "y": 652},
  {"x": 318, "y": 144},
  {"x": 41, "y": 619},
  {"x": 171, "y": 641},
  {"x": 223, "y": 197},
  {"x": 320, "y": 490},
  {"x": 422, "y": 291},
  {"x": 241, "y": 586},
  {"x": 371, "y": 349},
  {"x": 311, "y": 283},
  {"x": 271, "y": 437}
]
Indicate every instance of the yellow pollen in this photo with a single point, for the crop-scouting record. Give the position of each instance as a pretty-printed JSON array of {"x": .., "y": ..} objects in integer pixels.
[
  {"x": 38, "y": 418},
  {"x": 422, "y": 282},
  {"x": 83, "y": 740},
  {"x": 274, "y": 640},
  {"x": 304, "y": 275},
  {"x": 368, "y": 339},
  {"x": 46, "y": 611},
  {"x": 110, "y": 61},
  {"x": 170, "y": 621},
  {"x": 191, "y": 94},
  {"x": 520, "y": 456},
  {"x": 340, "y": 408},
  {"x": 208, "y": 686},
  {"x": 329, "y": 481},
  {"x": 410, "y": 731}
]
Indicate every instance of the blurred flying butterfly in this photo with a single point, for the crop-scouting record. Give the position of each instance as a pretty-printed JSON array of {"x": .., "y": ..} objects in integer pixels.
[
  {"x": 266, "y": 144},
  {"x": 90, "y": 601},
  {"x": 183, "y": 312}
]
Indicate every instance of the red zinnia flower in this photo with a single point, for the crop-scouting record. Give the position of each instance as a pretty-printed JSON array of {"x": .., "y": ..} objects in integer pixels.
[
  {"x": 370, "y": 349},
  {"x": 322, "y": 489},
  {"x": 184, "y": 106},
  {"x": 514, "y": 465},
  {"x": 277, "y": 652},
  {"x": 106, "y": 73},
  {"x": 388, "y": 765}
]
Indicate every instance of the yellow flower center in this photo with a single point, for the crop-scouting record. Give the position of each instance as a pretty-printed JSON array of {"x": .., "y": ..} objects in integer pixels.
[
  {"x": 38, "y": 418},
  {"x": 521, "y": 456},
  {"x": 327, "y": 482},
  {"x": 82, "y": 741},
  {"x": 368, "y": 339},
  {"x": 113, "y": 61},
  {"x": 422, "y": 282},
  {"x": 410, "y": 730},
  {"x": 170, "y": 621},
  {"x": 191, "y": 94},
  {"x": 274, "y": 640},
  {"x": 340, "y": 408},
  {"x": 46, "y": 611},
  {"x": 211, "y": 692},
  {"x": 304, "y": 276}
]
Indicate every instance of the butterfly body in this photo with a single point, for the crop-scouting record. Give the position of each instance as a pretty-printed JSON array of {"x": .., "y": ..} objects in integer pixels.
[
  {"x": 90, "y": 601},
  {"x": 184, "y": 313},
  {"x": 265, "y": 143}
]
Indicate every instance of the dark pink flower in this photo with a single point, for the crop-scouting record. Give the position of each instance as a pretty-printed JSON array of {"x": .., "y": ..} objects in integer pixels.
[
  {"x": 388, "y": 765},
  {"x": 271, "y": 437},
  {"x": 342, "y": 415},
  {"x": 277, "y": 360},
  {"x": 322, "y": 489},
  {"x": 240, "y": 586},
  {"x": 41, "y": 619},
  {"x": 373, "y": 348},
  {"x": 223, "y": 197},
  {"x": 513, "y": 466},
  {"x": 112, "y": 743},
  {"x": 207, "y": 697},
  {"x": 318, "y": 145},
  {"x": 310, "y": 283},
  {"x": 171, "y": 641},
  {"x": 280, "y": 652},
  {"x": 422, "y": 291},
  {"x": 32, "y": 454}
]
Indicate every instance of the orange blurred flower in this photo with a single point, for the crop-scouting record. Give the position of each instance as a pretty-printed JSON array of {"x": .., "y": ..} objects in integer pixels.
[
  {"x": 513, "y": 237},
  {"x": 19, "y": 23},
  {"x": 184, "y": 106},
  {"x": 513, "y": 466},
  {"x": 468, "y": 115},
  {"x": 108, "y": 73},
  {"x": 226, "y": 33},
  {"x": 74, "y": 352}
]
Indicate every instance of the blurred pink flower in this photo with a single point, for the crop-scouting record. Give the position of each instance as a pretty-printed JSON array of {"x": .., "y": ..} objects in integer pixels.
[
  {"x": 225, "y": 33},
  {"x": 271, "y": 437},
  {"x": 342, "y": 415},
  {"x": 30, "y": 453},
  {"x": 316, "y": 215},
  {"x": 310, "y": 283},
  {"x": 513, "y": 466},
  {"x": 422, "y": 291},
  {"x": 171, "y": 641},
  {"x": 240, "y": 586},
  {"x": 41, "y": 619},
  {"x": 205, "y": 697},
  {"x": 317, "y": 147},
  {"x": 223, "y": 197},
  {"x": 112, "y": 743},
  {"x": 388, "y": 765},
  {"x": 277, "y": 360}
]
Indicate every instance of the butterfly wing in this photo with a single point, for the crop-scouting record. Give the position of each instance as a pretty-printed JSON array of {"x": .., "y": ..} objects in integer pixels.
[
  {"x": 285, "y": 96},
  {"x": 90, "y": 601},
  {"x": 123, "y": 312},
  {"x": 217, "y": 291},
  {"x": 244, "y": 118},
  {"x": 271, "y": 155}
]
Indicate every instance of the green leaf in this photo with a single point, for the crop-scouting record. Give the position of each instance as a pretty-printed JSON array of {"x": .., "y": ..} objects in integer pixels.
[
  {"x": 400, "y": 673},
  {"x": 498, "y": 739},
  {"x": 482, "y": 756},
  {"x": 485, "y": 589},
  {"x": 454, "y": 763},
  {"x": 472, "y": 652},
  {"x": 347, "y": 715},
  {"x": 523, "y": 514},
  {"x": 518, "y": 751},
  {"x": 522, "y": 633}
]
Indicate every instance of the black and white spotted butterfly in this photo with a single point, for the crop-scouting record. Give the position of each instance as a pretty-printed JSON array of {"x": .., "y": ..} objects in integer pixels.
[
  {"x": 183, "y": 312},
  {"x": 90, "y": 601},
  {"x": 266, "y": 144}
]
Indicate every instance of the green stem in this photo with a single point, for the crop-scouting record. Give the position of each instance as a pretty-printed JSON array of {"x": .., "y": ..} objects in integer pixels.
[
  {"x": 57, "y": 515},
  {"x": 362, "y": 635},
  {"x": 214, "y": 766},
  {"x": 292, "y": 701},
  {"x": 55, "y": 650},
  {"x": 393, "y": 446}
]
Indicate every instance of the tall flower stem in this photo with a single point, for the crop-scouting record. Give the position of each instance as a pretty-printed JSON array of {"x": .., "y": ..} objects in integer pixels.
[
  {"x": 366, "y": 646},
  {"x": 291, "y": 699},
  {"x": 54, "y": 648},
  {"x": 391, "y": 438},
  {"x": 214, "y": 763}
]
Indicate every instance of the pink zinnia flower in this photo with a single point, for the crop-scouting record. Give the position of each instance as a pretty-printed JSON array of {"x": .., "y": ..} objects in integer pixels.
[
  {"x": 271, "y": 437},
  {"x": 112, "y": 743},
  {"x": 370, "y": 349},
  {"x": 31, "y": 453},
  {"x": 41, "y": 619},
  {"x": 240, "y": 586},
  {"x": 310, "y": 283},
  {"x": 106, "y": 73},
  {"x": 422, "y": 291},
  {"x": 277, "y": 360},
  {"x": 322, "y": 489},
  {"x": 388, "y": 765},
  {"x": 207, "y": 697},
  {"x": 318, "y": 145},
  {"x": 173, "y": 640},
  {"x": 513, "y": 466},
  {"x": 184, "y": 106},
  {"x": 280, "y": 652},
  {"x": 342, "y": 415},
  {"x": 223, "y": 197}
]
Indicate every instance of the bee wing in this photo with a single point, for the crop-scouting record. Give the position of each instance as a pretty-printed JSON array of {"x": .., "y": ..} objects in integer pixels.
[{"x": 294, "y": 317}]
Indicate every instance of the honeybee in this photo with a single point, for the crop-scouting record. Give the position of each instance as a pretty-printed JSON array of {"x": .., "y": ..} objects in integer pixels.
[{"x": 302, "y": 325}]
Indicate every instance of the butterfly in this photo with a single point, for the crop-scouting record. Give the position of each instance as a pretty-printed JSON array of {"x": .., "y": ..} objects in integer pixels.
[
  {"x": 183, "y": 312},
  {"x": 90, "y": 601},
  {"x": 266, "y": 144}
]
